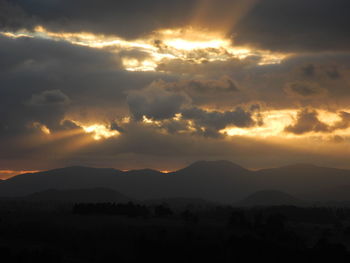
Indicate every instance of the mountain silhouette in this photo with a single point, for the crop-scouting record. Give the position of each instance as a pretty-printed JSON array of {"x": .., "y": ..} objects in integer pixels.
[
  {"x": 75, "y": 177},
  {"x": 306, "y": 181},
  {"x": 212, "y": 168},
  {"x": 92, "y": 195},
  {"x": 271, "y": 198},
  {"x": 219, "y": 181}
]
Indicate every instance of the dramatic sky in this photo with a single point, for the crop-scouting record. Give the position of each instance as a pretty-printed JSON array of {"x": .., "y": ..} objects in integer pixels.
[{"x": 162, "y": 83}]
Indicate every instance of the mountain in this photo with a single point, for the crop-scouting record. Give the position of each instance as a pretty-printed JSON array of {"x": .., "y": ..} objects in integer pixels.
[
  {"x": 212, "y": 168},
  {"x": 219, "y": 181},
  {"x": 306, "y": 181},
  {"x": 92, "y": 195},
  {"x": 143, "y": 172},
  {"x": 271, "y": 198},
  {"x": 212, "y": 180},
  {"x": 75, "y": 177}
]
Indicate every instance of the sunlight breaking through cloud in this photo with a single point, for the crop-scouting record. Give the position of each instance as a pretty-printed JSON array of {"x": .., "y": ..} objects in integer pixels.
[
  {"x": 276, "y": 122},
  {"x": 185, "y": 44},
  {"x": 98, "y": 131}
]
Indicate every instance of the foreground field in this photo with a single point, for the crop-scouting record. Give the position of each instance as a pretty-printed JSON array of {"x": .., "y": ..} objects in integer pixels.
[{"x": 35, "y": 232}]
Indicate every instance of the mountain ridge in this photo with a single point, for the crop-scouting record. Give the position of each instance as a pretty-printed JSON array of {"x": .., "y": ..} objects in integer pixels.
[{"x": 221, "y": 181}]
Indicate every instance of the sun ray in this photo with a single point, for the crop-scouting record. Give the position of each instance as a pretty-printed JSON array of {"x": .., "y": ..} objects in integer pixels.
[
  {"x": 98, "y": 131},
  {"x": 188, "y": 44}
]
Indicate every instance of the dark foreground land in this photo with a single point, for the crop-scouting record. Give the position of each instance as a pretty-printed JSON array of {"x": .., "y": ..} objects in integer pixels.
[{"x": 39, "y": 232}]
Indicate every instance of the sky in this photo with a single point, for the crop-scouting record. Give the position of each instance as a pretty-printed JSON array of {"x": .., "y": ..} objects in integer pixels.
[{"x": 163, "y": 83}]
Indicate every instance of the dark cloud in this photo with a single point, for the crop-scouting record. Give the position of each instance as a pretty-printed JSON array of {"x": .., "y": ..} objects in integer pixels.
[
  {"x": 36, "y": 79},
  {"x": 13, "y": 17},
  {"x": 308, "y": 121},
  {"x": 155, "y": 102},
  {"x": 209, "y": 123},
  {"x": 308, "y": 70},
  {"x": 175, "y": 126},
  {"x": 129, "y": 19},
  {"x": 40, "y": 77},
  {"x": 49, "y": 97},
  {"x": 225, "y": 84},
  {"x": 219, "y": 120},
  {"x": 142, "y": 146},
  {"x": 288, "y": 25},
  {"x": 42, "y": 82},
  {"x": 330, "y": 70},
  {"x": 334, "y": 73},
  {"x": 115, "y": 126},
  {"x": 344, "y": 123},
  {"x": 161, "y": 101},
  {"x": 205, "y": 68},
  {"x": 296, "y": 25},
  {"x": 304, "y": 89},
  {"x": 271, "y": 83},
  {"x": 205, "y": 91}
]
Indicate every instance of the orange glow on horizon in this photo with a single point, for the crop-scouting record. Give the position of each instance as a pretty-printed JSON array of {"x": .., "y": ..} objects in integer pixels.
[{"x": 6, "y": 174}]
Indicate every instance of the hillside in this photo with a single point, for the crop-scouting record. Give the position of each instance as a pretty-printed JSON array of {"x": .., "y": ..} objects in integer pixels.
[
  {"x": 271, "y": 198},
  {"x": 93, "y": 195}
]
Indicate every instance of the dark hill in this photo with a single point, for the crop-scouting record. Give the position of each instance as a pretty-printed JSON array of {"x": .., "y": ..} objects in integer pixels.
[
  {"x": 75, "y": 177},
  {"x": 93, "y": 195},
  {"x": 304, "y": 180},
  {"x": 143, "y": 172},
  {"x": 213, "y": 168},
  {"x": 271, "y": 198},
  {"x": 181, "y": 203}
]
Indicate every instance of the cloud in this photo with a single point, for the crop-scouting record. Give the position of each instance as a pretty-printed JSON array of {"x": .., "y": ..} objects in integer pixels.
[
  {"x": 209, "y": 123},
  {"x": 207, "y": 68},
  {"x": 288, "y": 25},
  {"x": 49, "y": 97},
  {"x": 45, "y": 81},
  {"x": 225, "y": 84},
  {"x": 13, "y": 17},
  {"x": 296, "y": 25},
  {"x": 316, "y": 70},
  {"x": 175, "y": 126},
  {"x": 308, "y": 70},
  {"x": 308, "y": 121},
  {"x": 143, "y": 146},
  {"x": 304, "y": 89},
  {"x": 162, "y": 101},
  {"x": 155, "y": 102},
  {"x": 344, "y": 121},
  {"x": 129, "y": 19},
  {"x": 46, "y": 84},
  {"x": 204, "y": 91}
]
